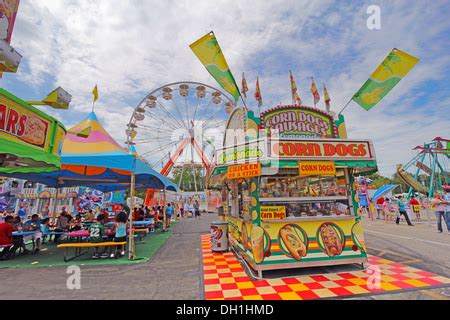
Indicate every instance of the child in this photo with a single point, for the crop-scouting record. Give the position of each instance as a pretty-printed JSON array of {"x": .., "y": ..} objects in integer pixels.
[
  {"x": 152, "y": 222},
  {"x": 45, "y": 229},
  {"x": 18, "y": 241},
  {"x": 97, "y": 234},
  {"x": 34, "y": 225},
  {"x": 76, "y": 224},
  {"x": 120, "y": 228}
]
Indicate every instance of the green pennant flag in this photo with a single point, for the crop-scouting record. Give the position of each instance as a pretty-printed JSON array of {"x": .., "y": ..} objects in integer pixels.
[{"x": 384, "y": 79}]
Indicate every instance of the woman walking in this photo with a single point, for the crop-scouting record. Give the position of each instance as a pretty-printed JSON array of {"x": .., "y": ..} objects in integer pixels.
[{"x": 439, "y": 210}]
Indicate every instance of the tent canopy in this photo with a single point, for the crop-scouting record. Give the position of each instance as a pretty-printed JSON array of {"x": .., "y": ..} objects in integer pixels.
[
  {"x": 99, "y": 162},
  {"x": 383, "y": 191}
]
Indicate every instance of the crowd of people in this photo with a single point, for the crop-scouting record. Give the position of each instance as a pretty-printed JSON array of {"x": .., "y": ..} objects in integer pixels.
[
  {"x": 17, "y": 229},
  {"x": 394, "y": 209}
]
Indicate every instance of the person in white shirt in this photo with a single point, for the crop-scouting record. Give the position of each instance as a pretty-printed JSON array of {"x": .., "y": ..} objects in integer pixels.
[
  {"x": 446, "y": 198},
  {"x": 439, "y": 210},
  {"x": 186, "y": 210}
]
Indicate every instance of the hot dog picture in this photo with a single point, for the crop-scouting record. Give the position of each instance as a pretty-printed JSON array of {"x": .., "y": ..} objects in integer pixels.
[
  {"x": 331, "y": 241},
  {"x": 358, "y": 237},
  {"x": 296, "y": 246},
  {"x": 244, "y": 237}
]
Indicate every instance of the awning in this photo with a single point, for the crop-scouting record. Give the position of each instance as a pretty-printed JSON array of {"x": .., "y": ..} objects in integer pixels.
[{"x": 383, "y": 191}]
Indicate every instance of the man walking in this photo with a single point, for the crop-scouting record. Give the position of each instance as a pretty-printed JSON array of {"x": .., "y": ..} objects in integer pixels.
[
  {"x": 169, "y": 213},
  {"x": 402, "y": 211},
  {"x": 197, "y": 209}
]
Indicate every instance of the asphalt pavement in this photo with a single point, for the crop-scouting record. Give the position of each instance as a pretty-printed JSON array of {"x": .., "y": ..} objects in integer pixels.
[{"x": 175, "y": 271}]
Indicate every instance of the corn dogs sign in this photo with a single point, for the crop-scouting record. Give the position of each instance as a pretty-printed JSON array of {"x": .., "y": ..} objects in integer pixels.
[
  {"x": 317, "y": 168},
  {"x": 273, "y": 212},
  {"x": 331, "y": 149}
]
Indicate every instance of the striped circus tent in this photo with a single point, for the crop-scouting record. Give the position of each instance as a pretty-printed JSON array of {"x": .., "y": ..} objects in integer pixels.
[{"x": 99, "y": 162}]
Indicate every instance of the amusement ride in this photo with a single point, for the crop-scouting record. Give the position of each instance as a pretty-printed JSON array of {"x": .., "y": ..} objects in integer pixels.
[
  {"x": 179, "y": 126},
  {"x": 433, "y": 159}
]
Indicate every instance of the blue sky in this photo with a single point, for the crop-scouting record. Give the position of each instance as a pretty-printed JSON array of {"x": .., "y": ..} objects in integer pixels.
[{"x": 132, "y": 47}]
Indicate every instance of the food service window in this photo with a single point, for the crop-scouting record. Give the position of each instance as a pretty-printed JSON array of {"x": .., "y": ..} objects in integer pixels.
[
  {"x": 292, "y": 185},
  {"x": 239, "y": 199},
  {"x": 309, "y": 196}
]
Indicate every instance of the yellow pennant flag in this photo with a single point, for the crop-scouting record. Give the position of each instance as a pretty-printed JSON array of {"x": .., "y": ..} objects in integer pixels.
[
  {"x": 95, "y": 93},
  {"x": 208, "y": 51}
]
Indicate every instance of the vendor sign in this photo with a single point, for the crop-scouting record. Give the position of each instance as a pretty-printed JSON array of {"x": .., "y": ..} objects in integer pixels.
[
  {"x": 298, "y": 122},
  {"x": 20, "y": 125},
  {"x": 273, "y": 212},
  {"x": 244, "y": 171},
  {"x": 317, "y": 168},
  {"x": 424, "y": 167},
  {"x": 332, "y": 149},
  {"x": 244, "y": 153},
  {"x": 30, "y": 140}
]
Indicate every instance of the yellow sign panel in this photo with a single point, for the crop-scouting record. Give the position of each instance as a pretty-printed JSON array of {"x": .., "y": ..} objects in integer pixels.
[
  {"x": 273, "y": 212},
  {"x": 317, "y": 168},
  {"x": 244, "y": 171},
  {"x": 21, "y": 125}
]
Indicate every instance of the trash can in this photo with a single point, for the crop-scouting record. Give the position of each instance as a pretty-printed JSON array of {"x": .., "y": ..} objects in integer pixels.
[{"x": 219, "y": 236}]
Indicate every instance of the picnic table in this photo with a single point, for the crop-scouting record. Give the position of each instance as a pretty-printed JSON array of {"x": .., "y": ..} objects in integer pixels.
[
  {"x": 141, "y": 223},
  {"x": 85, "y": 234},
  {"x": 24, "y": 234}
]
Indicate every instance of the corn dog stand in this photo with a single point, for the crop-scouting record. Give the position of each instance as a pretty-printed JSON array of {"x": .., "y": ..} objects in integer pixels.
[{"x": 287, "y": 181}]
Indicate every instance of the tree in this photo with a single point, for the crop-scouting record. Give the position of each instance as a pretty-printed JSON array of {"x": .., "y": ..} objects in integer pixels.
[{"x": 185, "y": 178}]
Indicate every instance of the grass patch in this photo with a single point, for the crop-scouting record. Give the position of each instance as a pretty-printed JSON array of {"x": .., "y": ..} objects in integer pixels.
[{"x": 51, "y": 256}]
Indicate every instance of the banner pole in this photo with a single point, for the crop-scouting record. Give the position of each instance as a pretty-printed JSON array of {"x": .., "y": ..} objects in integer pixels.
[
  {"x": 131, "y": 237},
  {"x": 56, "y": 202},
  {"x": 164, "y": 211},
  {"x": 243, "y": 101},
  {"x": 345, "y": 107}
]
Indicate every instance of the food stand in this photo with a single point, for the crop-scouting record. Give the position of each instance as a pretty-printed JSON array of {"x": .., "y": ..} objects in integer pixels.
[
  {"x": 30, "y": 140},
  {"x": 287, "y": 181}
]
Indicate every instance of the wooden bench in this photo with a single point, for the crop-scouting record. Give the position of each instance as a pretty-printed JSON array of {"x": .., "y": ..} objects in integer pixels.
[{"x": 79, "y": 246}]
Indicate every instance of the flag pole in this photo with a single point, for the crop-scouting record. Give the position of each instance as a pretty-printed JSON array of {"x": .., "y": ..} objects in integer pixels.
[
  {"x": 292, "y": 92},
  {"x": 243, "y": 100},
  {"x": 345, "y": 107},
  {"x": 315, "y": 103}
]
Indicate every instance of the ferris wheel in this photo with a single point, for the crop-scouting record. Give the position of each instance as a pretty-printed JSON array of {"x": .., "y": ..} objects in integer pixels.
[
  {"x": 433, "y": 159},
  {"x": 179, "y": 125}
]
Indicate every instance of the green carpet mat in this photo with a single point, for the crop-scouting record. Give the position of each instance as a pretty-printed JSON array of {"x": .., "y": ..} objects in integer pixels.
[{"x": 50, "y": 256}]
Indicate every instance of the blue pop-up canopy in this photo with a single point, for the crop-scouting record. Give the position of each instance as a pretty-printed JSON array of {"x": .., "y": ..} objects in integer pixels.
[{"x": 383, "y": 191}]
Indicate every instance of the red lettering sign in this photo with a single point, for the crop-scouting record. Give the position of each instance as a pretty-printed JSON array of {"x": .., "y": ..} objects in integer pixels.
[
  {"x": 329, "y": 149},
  {"x": 28, "y": 128}
]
